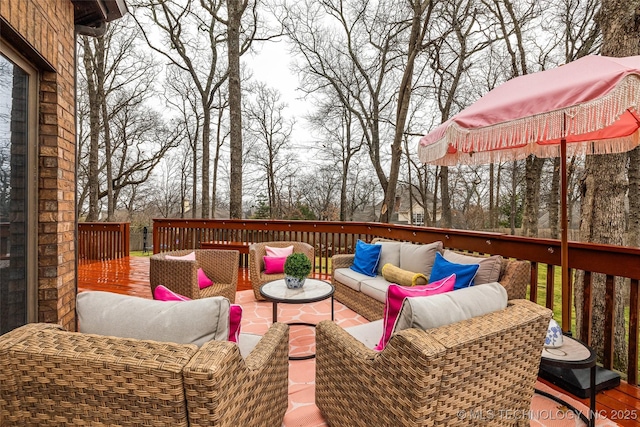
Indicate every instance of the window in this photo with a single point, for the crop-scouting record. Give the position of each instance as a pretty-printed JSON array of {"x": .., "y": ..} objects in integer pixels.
[
  {"x": 418, "y": 218},
  {"x": 18, "y": 233}
]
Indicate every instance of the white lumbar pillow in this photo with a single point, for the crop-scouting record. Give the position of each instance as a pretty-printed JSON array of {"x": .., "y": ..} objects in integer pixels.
[{"x": 181, "y": 322}]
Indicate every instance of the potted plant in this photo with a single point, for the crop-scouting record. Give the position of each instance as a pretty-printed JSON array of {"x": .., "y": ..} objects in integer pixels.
[{"x": 296, "y": 269}]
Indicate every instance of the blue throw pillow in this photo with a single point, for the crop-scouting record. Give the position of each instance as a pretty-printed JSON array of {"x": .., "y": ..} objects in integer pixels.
[
  {"x": 366, "y": 258},
  {"x": 465, "y": 273}
]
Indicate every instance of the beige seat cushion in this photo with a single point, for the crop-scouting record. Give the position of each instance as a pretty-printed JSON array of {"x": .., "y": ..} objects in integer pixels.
[
  {"x": 350, "y": 278},
  {"x": 369, "y": 334},
  {"x": 375, "y": 287},
  {"x": 182, "y": 322},
  {"x": 247, "y": 342}
]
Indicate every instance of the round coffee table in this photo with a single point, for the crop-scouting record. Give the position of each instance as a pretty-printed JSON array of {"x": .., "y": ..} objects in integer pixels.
[
  {"x": 573, "y": 354},
  {"x": 313, "y": 290}
]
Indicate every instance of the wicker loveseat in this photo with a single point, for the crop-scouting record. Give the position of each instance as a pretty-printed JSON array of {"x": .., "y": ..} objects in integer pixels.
[
  {"x": 52, "y": 377},
  {"x": 514, "y": 276},
  {"x": 180, "y": 276},
  {"x": 479, "y": 371}
]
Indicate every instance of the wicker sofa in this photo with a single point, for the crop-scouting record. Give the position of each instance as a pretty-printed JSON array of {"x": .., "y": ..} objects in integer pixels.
[
  {"x": 180, "y": 276},
  {"x": 52, "y": 377},
  {"x": 514, "y": 276}
]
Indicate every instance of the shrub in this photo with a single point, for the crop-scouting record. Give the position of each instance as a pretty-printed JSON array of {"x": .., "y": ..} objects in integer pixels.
[{"x": 297, "y": 265}]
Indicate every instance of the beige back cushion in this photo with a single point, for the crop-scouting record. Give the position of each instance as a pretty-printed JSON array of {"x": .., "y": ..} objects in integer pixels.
[
  {"x": 419, "y": 258},
  {"x": 489, "y": 270},
  {"x": 181, "y": 322},
  {"x": 451, "y": 307},
  {"x": 389, "y": 254}
]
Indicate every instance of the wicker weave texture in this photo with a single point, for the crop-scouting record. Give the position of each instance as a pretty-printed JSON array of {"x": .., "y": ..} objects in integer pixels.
[
  {"x": 486, "y": 365},
  {"x": 65, "y": 378},
  {"x": 221, "y": 266},
  {"x": 221, "y": 386},
  {"x": 51, "y": 377},
  {"x": 257, "y": 252},
  {"x": 515, "y": 278}
]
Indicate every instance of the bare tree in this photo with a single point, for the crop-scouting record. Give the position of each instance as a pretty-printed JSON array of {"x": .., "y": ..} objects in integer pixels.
[
  {"x": 421, "y": 15},
  {"x": 116, "y": 82},
  {"x": 605, "y": 184},
  {"x": 365, "y": 55},
  {"x": 235, "y": 48},
  {"x": 634, "y": 198},
  {"x": 182, "y": 96},
  {"x": 450, "y": 59},
  {"x": 318, "y": 191},
  {"x": 339, "y": 140},
  {"x": 572, "y": 27},
  {"x": 271, "y": 133},
  {"x": 193, "y": 40}
]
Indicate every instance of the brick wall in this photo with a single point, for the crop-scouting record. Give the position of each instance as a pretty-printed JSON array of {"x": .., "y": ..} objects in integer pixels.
[{"x": 47, "y": 27}]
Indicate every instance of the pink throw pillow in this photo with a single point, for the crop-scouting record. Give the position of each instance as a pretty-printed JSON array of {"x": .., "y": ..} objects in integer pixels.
[
  {"x": 203, "y": 280},
  {"x": 188, "y": 257},
  {"x": 274, "y": 265},
  {"x": 279, "y": 252},
  {"x": 396, "y": 295},
  {"x": 162, "y": 293},
  {"x": 235, "y": 317}
]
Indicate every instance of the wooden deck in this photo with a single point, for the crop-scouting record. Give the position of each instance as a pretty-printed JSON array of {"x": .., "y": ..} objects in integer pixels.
[{"x": 130, "y": 276}]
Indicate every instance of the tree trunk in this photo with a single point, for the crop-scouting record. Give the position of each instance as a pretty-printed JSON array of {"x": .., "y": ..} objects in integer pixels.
[
  {"x": 496, "y": 215},
  {"x": 445, "y": 198},
  {"x": 605, "y": 185},
  {"x": 234, "y": 10},
  {"x": 404, "y": 97},
  {"x": 216, "y": 161},
  {"x": 492, "y": 187},
  {"x": 346, "y": 161},
  {"x": 94, "y": 129},
  {"x": 194, "y": 178},
  {"x": 532, "y": 196},
  {"x": 602, "y": 221},
  {"x": 100, "y": 80},
  {"x": 434, "y": 208},
  {"x": 206, "y": 143},
  {"x": 514, "y": 187},
  {"x": 634, "y": 198},
  {"x": 554, "y": 198}
]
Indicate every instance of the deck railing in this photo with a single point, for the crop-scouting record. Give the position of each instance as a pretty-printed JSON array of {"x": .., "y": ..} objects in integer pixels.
[
  {"x": 329, "y": 238},
  {"x": 103, "y": 240}
]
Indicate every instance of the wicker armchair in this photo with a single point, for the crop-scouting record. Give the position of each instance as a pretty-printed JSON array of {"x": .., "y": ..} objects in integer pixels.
[
  {"x": 484, "y": 366},
  {"x": 221, "y": 266},
  {"x": 256, "y": 262},
  {"x": 52, "y": 377}
]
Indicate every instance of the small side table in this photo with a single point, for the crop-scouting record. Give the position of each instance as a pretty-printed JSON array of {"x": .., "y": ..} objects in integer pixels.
[
  {"x": 313, "y": 290},
  {"x": 573, "y": 354}
]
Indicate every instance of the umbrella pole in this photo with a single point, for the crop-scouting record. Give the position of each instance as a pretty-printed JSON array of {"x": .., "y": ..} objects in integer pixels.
[{"x": 564, "y": 244}]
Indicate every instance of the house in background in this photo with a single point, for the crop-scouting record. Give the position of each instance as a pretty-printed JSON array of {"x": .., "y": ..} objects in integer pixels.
[
  {"x": 38, "y": 154},
  {"x": 405, "y": 211}
]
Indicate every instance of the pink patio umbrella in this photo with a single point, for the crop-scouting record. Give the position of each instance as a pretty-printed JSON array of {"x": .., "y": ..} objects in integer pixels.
[{"x": 588, "y": 106}]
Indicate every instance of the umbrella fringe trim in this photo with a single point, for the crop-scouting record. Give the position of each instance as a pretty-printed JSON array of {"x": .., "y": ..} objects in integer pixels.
[
  {"x": 521, "y": 135},
  {"x": 610, "y": 146}
]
